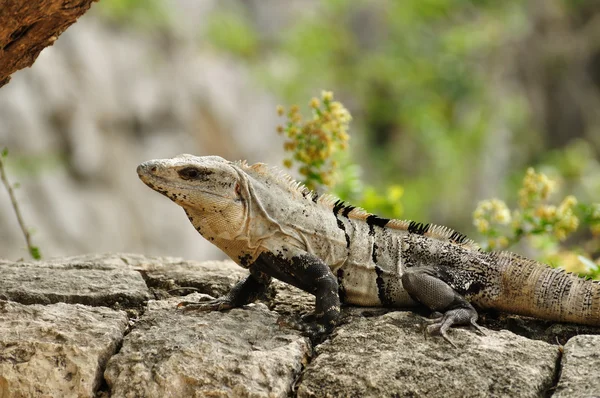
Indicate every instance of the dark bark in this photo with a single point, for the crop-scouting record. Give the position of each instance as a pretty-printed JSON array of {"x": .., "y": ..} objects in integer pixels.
[{"x": 27, "y": 27}]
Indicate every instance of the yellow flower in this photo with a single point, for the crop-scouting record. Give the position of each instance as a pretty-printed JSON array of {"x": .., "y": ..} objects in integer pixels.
[
  {"x": 535, "y": 186},
  {"x": 567, "y": 204},
  {"x": 327, "y": 95},
  {"x": 327, "y": 179},
  {"x": 314, "y": 103},
  {"x": 280, "y": 110},
  {"x": 289, "y": 146},
  {"x": 503, "y": 242},
  {"x": 288, "y": 163},
  {"x": 314, "y": 140},
  {"x": 342, "y": 114},
  {"x": 547, "y": 212},
  {"x": 482, "y": 225},
  {"x": 304, "y": 170},
  {"x": 483, "y": 207},
  {"x": 292, "y": 131},
  {"x": 501, "y": 213},
  {"x": 395, "y": 192},
  {"x": 560, "y": 234}
]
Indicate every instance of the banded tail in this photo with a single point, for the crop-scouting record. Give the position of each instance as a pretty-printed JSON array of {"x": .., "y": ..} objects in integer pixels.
[{"x": 534, "y": 289}]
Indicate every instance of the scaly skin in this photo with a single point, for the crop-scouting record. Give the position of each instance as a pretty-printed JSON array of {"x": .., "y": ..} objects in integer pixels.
[{"x": 275, "y": 227}]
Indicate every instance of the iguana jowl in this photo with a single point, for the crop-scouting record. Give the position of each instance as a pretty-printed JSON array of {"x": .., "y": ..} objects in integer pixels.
[{"x": 276, "y": 227}]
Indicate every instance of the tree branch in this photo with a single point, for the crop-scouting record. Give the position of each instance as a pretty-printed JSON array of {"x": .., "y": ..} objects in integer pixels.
[{"x": 27, "y": 27}]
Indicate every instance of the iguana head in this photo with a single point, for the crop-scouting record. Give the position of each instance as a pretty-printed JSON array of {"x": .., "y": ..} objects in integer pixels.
[
  {"x": 209, "y": 188},
  {"x": 240, "y": 207}
]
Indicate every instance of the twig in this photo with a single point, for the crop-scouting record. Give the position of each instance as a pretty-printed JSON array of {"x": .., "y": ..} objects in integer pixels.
[{"x": 33, "y": 250}]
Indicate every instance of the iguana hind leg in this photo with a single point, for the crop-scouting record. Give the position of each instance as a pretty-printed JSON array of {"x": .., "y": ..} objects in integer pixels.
[
  {"x": 244, "y": 292},
  {"x": 426, "y": 287}
]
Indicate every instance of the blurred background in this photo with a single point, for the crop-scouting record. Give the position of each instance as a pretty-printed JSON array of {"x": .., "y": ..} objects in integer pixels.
[{"x": 451, "y": 99}]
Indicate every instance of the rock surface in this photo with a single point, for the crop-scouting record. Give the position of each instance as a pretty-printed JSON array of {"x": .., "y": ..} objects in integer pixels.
[
  {"x": 580, "y": 368},
  {"x": 75, "y": 282},
  {"x": 239, "y": 353},
  {"x": 67, "y": 350},
  {"x": 388, "y": 356},
  {"x": 214, "y": 278},
  {"x": 57, "y": 350}
]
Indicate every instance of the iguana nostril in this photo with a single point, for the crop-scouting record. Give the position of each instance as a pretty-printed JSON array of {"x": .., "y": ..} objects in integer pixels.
[{"x": 146, "y": 168}]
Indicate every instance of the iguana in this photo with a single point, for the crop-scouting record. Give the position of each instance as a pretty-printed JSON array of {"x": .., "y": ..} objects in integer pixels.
[{"x": 276, "y": 228}]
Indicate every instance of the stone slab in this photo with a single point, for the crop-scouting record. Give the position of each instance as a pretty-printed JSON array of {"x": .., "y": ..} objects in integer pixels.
[
  {"x": 72, "y": 282},
  {"x": 241, "y": 352},
  {"x": 389, "y": 356},
  {"x": 57, "y": 350},
  {"x": 580, "y": 372}
]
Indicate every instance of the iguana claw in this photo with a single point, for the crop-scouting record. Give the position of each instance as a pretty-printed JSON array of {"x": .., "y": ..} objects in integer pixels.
[
  {"x": 439, "y": 329},
  {"x": 440, "y": 325},
  {"x": 218, "y": 304},
  {"x": 307, "y": 324}
]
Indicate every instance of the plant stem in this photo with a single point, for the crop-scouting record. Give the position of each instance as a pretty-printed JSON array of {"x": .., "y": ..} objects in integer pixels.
[{"x": 32, "y": 249}]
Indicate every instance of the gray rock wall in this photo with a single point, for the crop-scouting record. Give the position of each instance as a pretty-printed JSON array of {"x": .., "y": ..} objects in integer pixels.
[{"x": 118, "y": 333}]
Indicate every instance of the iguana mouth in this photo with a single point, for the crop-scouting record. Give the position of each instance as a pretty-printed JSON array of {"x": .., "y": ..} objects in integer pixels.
[
  {"x": 152, "y": 180},
  {"x": 161, "y": 184}
]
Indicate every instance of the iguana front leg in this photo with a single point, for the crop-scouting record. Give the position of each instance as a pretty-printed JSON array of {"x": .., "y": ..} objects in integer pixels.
[
  {"x": 298, "y": 268},
  {"x": 425, "y": 286},
  {"x": 309, "y": 273},
  {"x": 244, "y": 292}
]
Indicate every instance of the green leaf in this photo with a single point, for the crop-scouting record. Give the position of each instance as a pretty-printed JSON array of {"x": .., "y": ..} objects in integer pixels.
[
  {"x": 4, "y": 152},
  {"x": 35, "y": 252}
]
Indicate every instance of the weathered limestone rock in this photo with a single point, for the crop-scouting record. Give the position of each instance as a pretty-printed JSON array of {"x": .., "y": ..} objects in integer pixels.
[
  {"x": 580, "y": 368},
  {"x": 56, "y": 350},
  {"x": 60, "y": 349},
  {"x": 106, "y": 261},
  {"x": 72, "y": 281},
  {"x": 214, "y": 278},
  {"x": 389, "y": 356},
  {"x": 537, "y": 329},
  {"x": 242, "y": 352}
]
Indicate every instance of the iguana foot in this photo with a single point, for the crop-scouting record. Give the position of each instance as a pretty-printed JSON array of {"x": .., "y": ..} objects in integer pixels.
[
  {"x": 438, "y": 327},
  {"x": 218, "y": 304},
  {"x": 244, "y": 292},
  {"x": 308, "y": 325},
  {"x": 459, "y": 316},
  {"x": 426, "y": 286}
]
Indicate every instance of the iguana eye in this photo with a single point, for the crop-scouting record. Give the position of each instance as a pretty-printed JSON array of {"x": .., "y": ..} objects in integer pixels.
[{"x": 193, "y": 173}]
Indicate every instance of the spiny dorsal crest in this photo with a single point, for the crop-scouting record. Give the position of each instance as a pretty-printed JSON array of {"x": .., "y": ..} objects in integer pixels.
[{"x": 339, "y": 207}]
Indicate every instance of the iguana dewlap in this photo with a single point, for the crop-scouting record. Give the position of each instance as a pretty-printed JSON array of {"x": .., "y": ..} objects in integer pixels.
[{"x": 277, "y": 228}]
